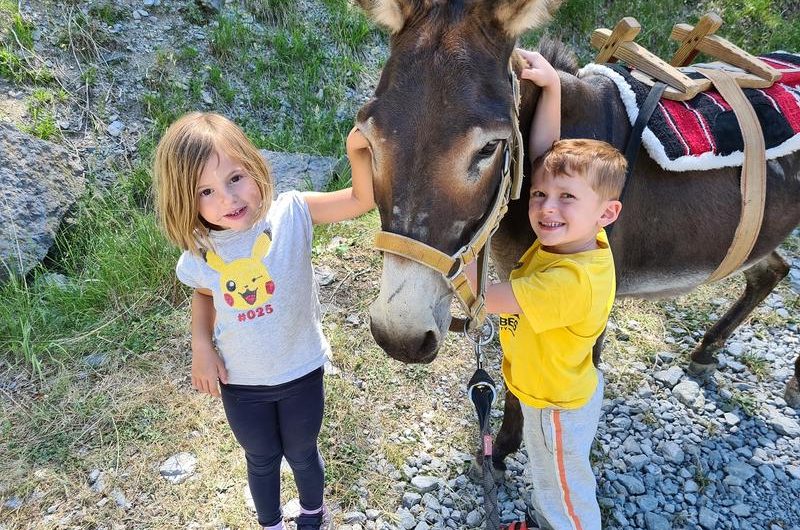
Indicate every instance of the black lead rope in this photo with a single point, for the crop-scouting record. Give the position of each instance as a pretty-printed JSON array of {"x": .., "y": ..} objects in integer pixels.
[
  {"x": 635, "y": 138},
  {"x": 482, "y": 392}
]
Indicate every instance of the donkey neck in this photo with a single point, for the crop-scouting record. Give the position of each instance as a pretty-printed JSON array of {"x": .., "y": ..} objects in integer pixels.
[{"x": 591, "y": 108}]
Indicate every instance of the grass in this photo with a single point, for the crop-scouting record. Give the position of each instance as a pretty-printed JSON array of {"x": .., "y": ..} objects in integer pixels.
[
  {"x": 758, "y": 26},
  {"x": 41, "y": 109},
  {"x": 107, "y": 292},
  {"x": 16, "y": 41}
]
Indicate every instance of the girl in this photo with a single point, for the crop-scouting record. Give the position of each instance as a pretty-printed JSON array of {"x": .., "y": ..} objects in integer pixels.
[{"x": 256, "y": 333}]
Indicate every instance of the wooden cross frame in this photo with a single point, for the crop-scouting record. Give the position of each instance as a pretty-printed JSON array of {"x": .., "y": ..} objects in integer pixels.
[{"x": 618, "y": 44}]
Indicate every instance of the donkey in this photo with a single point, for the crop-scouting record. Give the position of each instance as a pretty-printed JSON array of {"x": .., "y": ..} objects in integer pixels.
[{"x": 442, "y": 112}]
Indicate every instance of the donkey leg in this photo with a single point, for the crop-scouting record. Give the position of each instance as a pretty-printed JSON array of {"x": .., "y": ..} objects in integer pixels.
[
  {"x": 597, "y": 349},
  {"x": 761, "y": 279},
  {"x": 509, "y": 438},
  {"x": 792, "y": 395}
]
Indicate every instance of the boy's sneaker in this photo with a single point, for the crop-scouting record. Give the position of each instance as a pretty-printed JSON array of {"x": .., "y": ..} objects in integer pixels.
[{"x": 314, "y": 521}]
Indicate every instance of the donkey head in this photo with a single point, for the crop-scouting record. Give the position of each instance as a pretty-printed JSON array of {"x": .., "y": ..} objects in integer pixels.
[{"x": 438, "y": 124}]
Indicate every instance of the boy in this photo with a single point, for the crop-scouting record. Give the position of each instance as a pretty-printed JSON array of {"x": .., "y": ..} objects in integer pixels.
[{"x": 552, "y": 310}]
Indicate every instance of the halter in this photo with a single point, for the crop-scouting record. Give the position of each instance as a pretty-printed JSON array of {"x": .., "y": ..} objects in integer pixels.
[{"x": 452, "y": 266}]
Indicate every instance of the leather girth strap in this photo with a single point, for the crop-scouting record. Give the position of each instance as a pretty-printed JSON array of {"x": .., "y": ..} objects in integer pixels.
[{"x": 753, "y": 183}]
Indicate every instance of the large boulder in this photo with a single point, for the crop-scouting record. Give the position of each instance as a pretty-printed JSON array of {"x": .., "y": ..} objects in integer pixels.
[
  {"x": 297, "y": 171},
  {"x": 39, "y": 181}
]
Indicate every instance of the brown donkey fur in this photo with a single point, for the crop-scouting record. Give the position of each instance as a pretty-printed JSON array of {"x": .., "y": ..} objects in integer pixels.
[{"x": 440, "y": 110}]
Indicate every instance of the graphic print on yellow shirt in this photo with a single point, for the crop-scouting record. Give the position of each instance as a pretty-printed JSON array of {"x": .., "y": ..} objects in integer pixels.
[
  {"x": 246, "y": 282},
  {"x": 565, "y": 301}
]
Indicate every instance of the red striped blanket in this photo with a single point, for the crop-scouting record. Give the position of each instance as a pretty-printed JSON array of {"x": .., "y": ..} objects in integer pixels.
[{"x": 702, "y": 133}]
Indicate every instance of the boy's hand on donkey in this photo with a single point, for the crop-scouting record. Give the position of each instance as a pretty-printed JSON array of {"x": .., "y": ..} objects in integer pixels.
[
  {"x": 539, "y": 71},
  {"x": 207, "y": 369}
]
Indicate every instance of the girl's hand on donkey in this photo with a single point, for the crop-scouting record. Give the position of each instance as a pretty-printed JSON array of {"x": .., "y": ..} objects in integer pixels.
[
  {"x": 539, "y": 71},
  {"x": 207, "y": 369}
]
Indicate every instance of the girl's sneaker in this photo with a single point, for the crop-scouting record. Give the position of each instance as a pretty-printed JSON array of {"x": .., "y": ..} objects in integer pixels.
[{"x": 314, "y": 521}]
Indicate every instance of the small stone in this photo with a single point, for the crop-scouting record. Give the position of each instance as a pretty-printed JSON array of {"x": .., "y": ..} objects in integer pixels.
[
  {"x": 178, "y": 467},
  {"x": 115, "y": 128},
  {"x": 13, "y": 503},
  {"x": 707, "y": 518},
  {"x": 669, "y": 377},
  {"x": 425, "y": 484},
  {"x": 120, "y": 499}
]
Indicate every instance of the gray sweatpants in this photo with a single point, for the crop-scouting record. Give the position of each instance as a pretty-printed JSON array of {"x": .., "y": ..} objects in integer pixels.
[{"x": 558, "y": 443}]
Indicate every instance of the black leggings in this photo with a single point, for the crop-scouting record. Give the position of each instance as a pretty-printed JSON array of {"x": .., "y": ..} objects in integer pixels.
[{"x": 271, "y": 422}]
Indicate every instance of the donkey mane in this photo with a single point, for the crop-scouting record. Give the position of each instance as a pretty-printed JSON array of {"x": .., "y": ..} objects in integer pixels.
[{"x": 559, "y": 55}]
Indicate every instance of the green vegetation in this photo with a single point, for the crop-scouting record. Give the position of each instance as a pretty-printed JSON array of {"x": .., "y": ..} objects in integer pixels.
[
  {"x": 758, "y": 26},
  {"x": 41, "y": 107},
  {"x": 16, "y": 40},
  {"x": 98, "y": 330}
]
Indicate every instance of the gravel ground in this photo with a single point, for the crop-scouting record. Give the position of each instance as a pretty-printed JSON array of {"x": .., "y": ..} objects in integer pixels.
[{"x": 673, "y": 453}]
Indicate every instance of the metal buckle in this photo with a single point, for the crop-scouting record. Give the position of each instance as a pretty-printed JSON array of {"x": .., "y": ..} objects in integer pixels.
[
  {"x": 506, "y": 159},
  {"x": 483, "y": 337}
]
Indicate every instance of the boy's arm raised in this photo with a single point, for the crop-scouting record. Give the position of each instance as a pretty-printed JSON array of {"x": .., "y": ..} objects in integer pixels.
[
  {"x": 351, "y": 202},
  {"x": 207, "y": 365},
  {"x": 546, "y": 126}
]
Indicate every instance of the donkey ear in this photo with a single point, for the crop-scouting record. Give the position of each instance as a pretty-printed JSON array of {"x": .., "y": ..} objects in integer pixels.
[
  {"x": 518, "y": 16},
  {"x": 387, "y": 13}
]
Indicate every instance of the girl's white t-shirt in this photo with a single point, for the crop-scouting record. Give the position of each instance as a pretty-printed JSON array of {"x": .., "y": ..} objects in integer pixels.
[{"x": 267, "y": 329}]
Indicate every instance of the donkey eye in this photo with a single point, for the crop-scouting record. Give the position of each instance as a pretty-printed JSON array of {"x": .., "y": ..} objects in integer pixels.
[{"x": 488, "y": 149}]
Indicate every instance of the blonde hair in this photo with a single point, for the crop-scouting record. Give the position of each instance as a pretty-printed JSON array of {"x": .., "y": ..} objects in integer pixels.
[
  {"x": 597, "y": 161},
  {"x": 181, "y": 155}
]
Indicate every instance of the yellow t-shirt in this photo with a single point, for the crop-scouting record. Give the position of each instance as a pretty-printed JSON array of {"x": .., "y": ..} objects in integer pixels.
[{"x": 565, "y": 301}]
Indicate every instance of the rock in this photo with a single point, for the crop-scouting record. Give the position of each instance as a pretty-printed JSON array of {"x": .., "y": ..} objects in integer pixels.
[
  {"x": 740, "y": 470},
  {"x": 115, "y": 128},
  {"x": 670, "y": 377},
  {"x": 410, "y": 499},
  {"x": 293, "y": 171},
  {"x": 13, "y": 503},
  {"x": 688, "y": 393},
  {"x": 178, "y": 467},
  {"x": 97, "y": 481},
  {"x": 425, "y": 484},
  {"x": 708, "y": 518},
  {"x": 783, "y": 425},
  {"x": 656, "y": 522},
  {"x": 672, "y": 452},
  {"x": 39, "y": 182},
  {"x": 95, "y": 360},
  {"x": 354, "y": 517},
  {"x": 324, "y": 275},
  {"x": 632, "y": 484},
  {"x": 119, "y": 498},
  {"x": 474, "y": 518}
]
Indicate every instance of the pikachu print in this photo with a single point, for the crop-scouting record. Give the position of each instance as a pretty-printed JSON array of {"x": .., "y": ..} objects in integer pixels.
[{"x": 245, "y": 283}]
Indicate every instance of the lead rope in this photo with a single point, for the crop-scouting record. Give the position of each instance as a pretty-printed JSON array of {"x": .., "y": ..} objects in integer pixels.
[{"x": 483, "y": 393}]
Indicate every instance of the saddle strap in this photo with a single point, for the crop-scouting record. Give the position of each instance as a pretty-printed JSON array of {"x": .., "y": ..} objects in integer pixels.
[{"x": 753, "y": 183}]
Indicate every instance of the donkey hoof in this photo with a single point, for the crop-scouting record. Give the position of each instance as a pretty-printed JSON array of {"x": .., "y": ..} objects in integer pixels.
[
  {"x": 701, "y": 371},
  {"x": 792, "y": 394}
]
